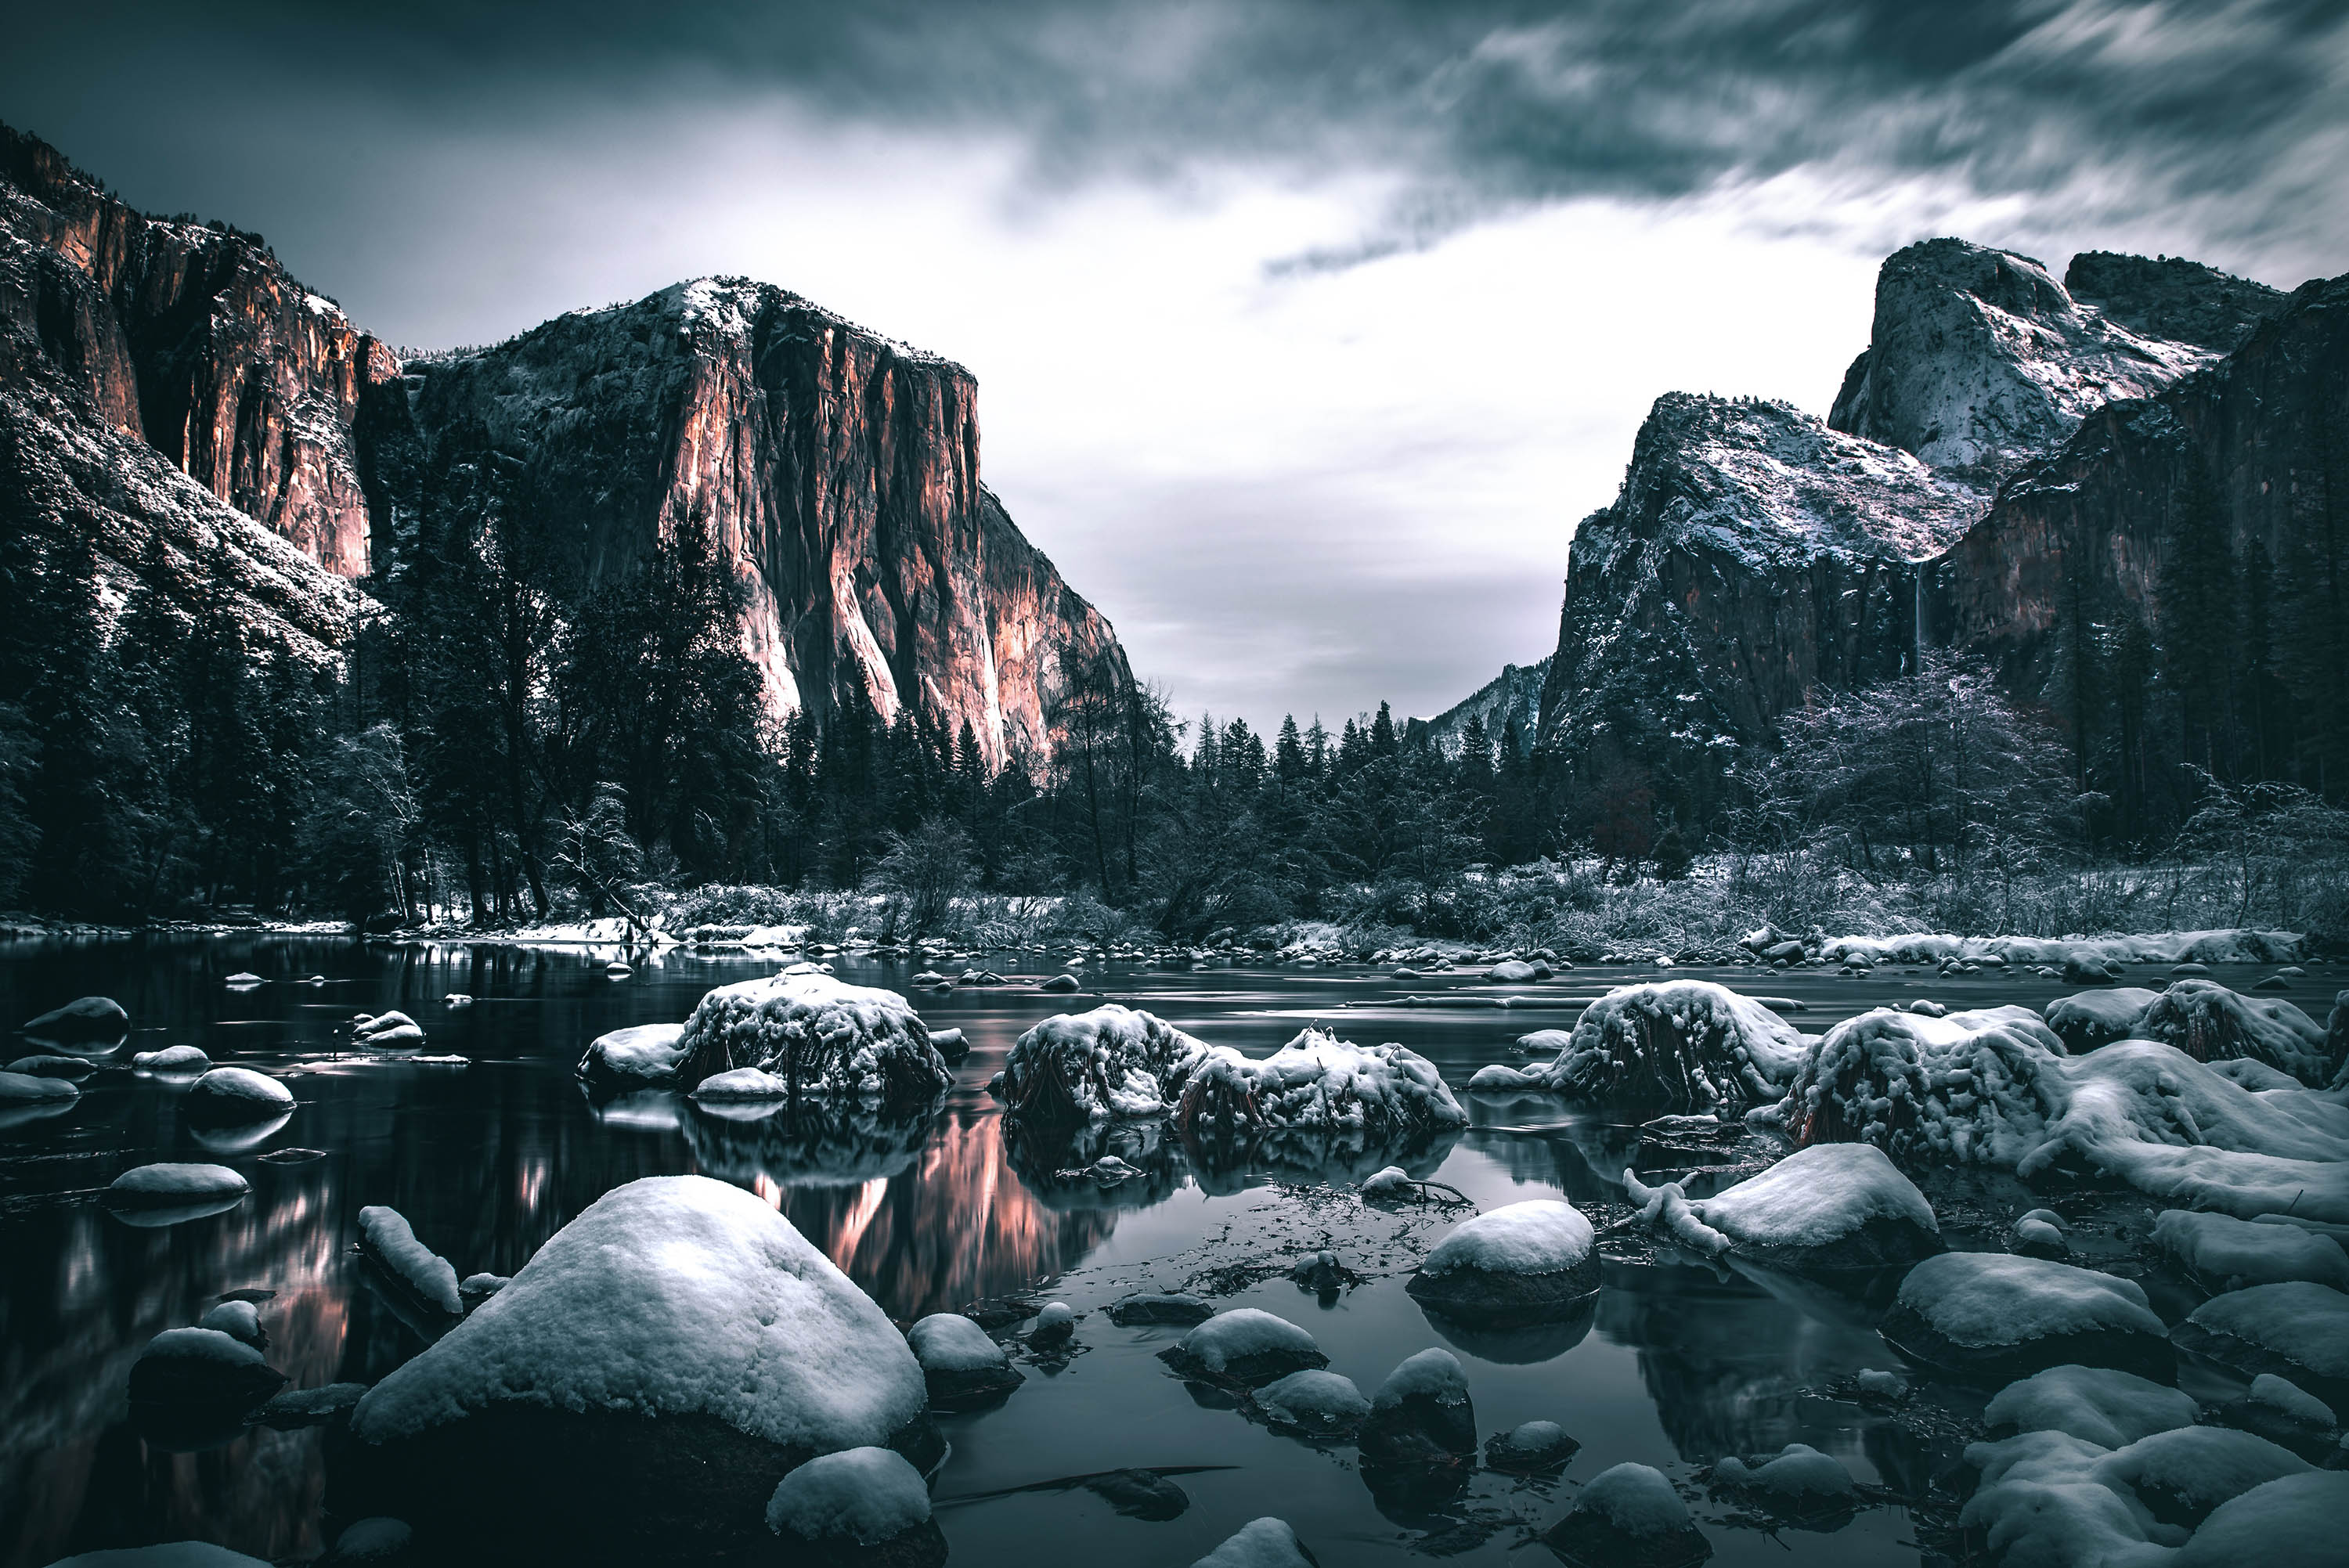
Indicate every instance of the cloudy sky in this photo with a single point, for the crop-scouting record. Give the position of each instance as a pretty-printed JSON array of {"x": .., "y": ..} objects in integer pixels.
[{"x": 1305, "y": 331}]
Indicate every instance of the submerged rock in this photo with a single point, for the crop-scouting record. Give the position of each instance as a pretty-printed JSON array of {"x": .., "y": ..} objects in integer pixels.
[
  {"x": 1245, "y": 1345},
  {"x": 1422, "y": 1414},
  {"x": 231, "y": 1096},
  {"x": 962, "y": 1368},
  {"x": 1519, "y": 1263},
  {"x": 1629, "y": 1517},
  {"x": 858, "y": 1506},
  {"x": 87, "y": 1021},
  {"x": 648, "y": 1377},
  {"x": 1985, "y": 1316}
]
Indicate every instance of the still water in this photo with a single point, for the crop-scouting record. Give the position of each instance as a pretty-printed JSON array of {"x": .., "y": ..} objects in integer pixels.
[{"x": 491, "y": 1155}]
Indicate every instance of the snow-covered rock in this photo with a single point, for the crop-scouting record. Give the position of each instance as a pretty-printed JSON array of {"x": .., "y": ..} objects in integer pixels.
[
  {"x": 23, "y": 1088},
  {"x": 1090, "y": 1066},
  {"x": 1422, "y": 1414},
  {"x": 669, "y": 1355},
  {"x": 375, "y": 1540},
  {"x": 1390, "y": 1184},
  {"x": 239, "y": 1320},
  {"x": 2095, "y": 1018},
  {"x": 390, "y": 1243},
  {"x": 1161, "y": 1307},
  {"x": 633, "y": 1057},
  {"x": 1530, "y": 1448},
  {"x": 2293, "y": 1522},
  {"x": 1687, "y": 1043},
  {"x": 1993, "y": 1317},
  {"x": 1629, "y": 1517},
  {"x": 1245, "y": 1345},
  {"x": 227, "y": 1096},
  {"x": 2227, "y": 1253},
  {"x": 2099, "y": 1405},
  {"x": 1264, "y": 1543},
  {"x": 172, "y": 1059},
  {"x": 82, "y": 1022},
  {"x": 1881, "y": 1075},
  {"x": 2297, "y": 1330},
  {"x": 962, "y": 1368},
  {"x": 1521, "y": 1262},
  {"x": 750, "y": 1083},
  {"x": 1828, "y": 1209},
  {"x": 1317, "y": 1082},
  {"x": 203, "y": 1366},
  {"x": 75, "y": 1068},
  {"x": 168, "y": 1184},
  {"x": 819, "y": 1035},
  {"x": 2212, "y": 1024},
  {"x": 387, "y": 1032},
  {"x": 1311, "y": 1404},
  {"x": 862, "y": 1497},
  {"x": 170, "y": 1554},
  {"x": 1798, "y": 1480},
  {"x": 2184, "y": 1473}
]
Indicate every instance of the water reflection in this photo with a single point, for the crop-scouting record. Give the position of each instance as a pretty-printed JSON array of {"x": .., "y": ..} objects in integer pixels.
[{"x": 488, "y": 1159}]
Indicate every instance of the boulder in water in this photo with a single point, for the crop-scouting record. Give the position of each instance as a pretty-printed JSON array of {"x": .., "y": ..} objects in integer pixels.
[
  {"x": 2298, "y": 1330},
  {"x": 83, "y": 1022},
  {"x": 1991, "y": 1318},
  {"x": 857, "y": 1508},
  {"x": 203, "y": 1368},
  {"x": 232, "y": 1097},
  {"x": 1531, "y": 1447},
  {"x": 1520, "y": 1264},
  {"x": 963, "y": 1368},
  {"x": 1422, "y": 1414},
  {"x": 818, "y": 1033},
  {"x": 1629, "y": 1517},
  {"x": 1245, "y": 1347}
]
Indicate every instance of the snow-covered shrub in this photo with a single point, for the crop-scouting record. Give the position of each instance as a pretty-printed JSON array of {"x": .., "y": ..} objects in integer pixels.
[
  {"x": 819, "y": 1035},
  {"x": 1089, "y": 1066},
  {"x": 1686, "y": 1043}
]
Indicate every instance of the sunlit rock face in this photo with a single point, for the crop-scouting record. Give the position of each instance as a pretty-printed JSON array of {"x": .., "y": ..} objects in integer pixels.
[
  {"x": 195, "y": 340},
  {"x": 839, "y": 471}
]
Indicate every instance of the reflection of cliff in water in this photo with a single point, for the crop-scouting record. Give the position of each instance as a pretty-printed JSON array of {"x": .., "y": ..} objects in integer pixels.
[
  {"x": 840, "y": 1143},
  {"x": 1336, "y": 1157},
  {"x": 1724, "y": 1361},
  {"x": 1055, "y": 1163},
  {"x": 957, "y": 1226}
]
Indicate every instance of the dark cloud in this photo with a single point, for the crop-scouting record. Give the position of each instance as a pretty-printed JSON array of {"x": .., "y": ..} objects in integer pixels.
[{"x": 1479, "y": 107}]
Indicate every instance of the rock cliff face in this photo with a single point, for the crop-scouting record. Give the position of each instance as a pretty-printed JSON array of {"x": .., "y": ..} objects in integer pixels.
[
  {"x": 839, "y": 471},
  {"x": 195, "y": 340},
  {"x": 1752, "y": 552},
  {"x": 1513, "y": 694},
  {"x": 2265, "y": 429},
  {"x": 79, "y": 386},
  {"x": 1979, "y": 361}
]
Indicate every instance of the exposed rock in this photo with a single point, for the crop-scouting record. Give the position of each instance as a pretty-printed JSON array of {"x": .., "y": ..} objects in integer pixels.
[{"x": 1513, "y": 696}]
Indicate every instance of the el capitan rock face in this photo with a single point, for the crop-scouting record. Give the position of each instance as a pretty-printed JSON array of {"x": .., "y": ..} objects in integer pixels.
[
  {"x": 840, "y": 471},
  {"x": 195, "y": 340}
]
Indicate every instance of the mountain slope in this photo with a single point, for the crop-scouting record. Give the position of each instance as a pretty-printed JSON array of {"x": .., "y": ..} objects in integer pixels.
[{"x": 1513, "y": 694}]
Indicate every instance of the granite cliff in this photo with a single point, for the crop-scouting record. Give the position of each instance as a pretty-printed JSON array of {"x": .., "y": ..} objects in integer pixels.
[{"x": 839, "y": 471}]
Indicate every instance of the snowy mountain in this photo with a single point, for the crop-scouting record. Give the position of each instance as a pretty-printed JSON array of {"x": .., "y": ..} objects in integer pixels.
[
  {"x": 1513, "y": 694},
  {"x": 173, "y": 410},
  {"x": 1754, "y": 551},
  {"x": 840, "y": 470}
]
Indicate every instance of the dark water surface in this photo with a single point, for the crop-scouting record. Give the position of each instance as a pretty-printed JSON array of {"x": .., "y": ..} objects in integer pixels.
[{"x": 490, "y": 1156}]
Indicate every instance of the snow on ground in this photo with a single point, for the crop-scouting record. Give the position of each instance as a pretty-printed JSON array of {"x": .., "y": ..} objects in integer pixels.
[
  {"x": 1830, "y": 1206},
  {"x": 1317, "y": 1081},
  {"x": 175, "y": 1183},
  {"x": 391, "y": 1241},
  {"x": 1689, "y": 1042},
  {"x": 1090, "y": 1066},
  {"x": 867, "y": 1495},
  {"x": 671, "y": 1294},
  {"x": 648, "y": 1053},
  {"x": 2229, "y": 1254},
  {"x": 613, "y": 931},
  {"x": 2222, "y": 946},
  {"x": 819, "y": 1034}
]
